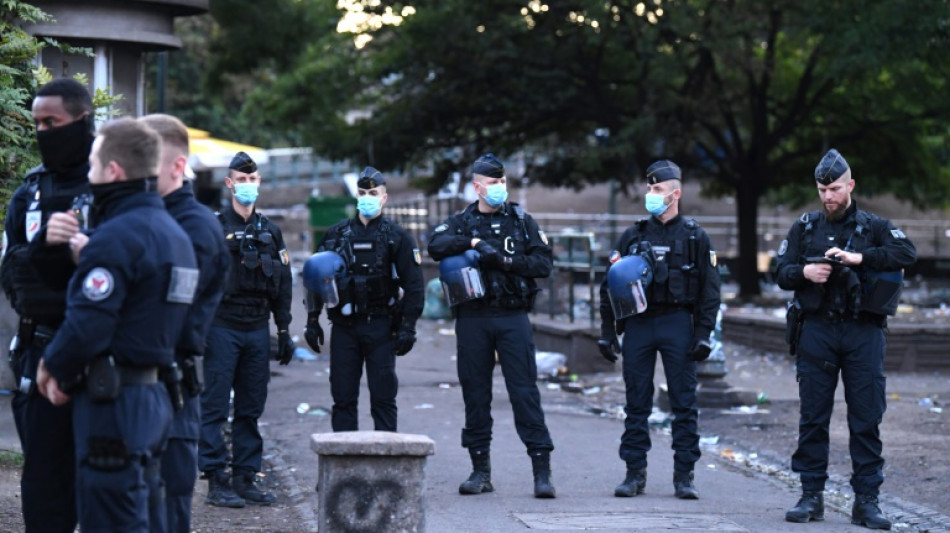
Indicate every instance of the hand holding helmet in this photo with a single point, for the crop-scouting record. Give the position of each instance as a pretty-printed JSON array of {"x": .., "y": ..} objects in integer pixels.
[{"x": 489, "y": 255}]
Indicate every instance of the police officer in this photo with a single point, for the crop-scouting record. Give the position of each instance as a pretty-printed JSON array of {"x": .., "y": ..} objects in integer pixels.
[
  {"x": 371, "y": 324},
  {"x": 180, "y": 460},
  {"x": 238, "y": 346},
  {"x": 833, "y": 259},
  {"x": 126, "y": 305},
  {"x": 513, "y": 252},
  {"x": 63, "y": 113},
  {"x": 682, "y": 302}
]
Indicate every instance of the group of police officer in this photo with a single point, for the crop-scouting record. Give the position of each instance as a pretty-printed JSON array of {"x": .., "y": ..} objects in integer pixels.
[{"x": 131, "y": 339}]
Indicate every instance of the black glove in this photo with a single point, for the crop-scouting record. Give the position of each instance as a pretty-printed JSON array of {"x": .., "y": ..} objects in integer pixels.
[
  {"x": 404, "y": 340},
  {"x": 314, "y": 333},
  {"x": 489, "y": 255},
  {"x": 608, "y": 345},
  {"x": 285, "y": 347},
  {"x": 700, "y": 350}
]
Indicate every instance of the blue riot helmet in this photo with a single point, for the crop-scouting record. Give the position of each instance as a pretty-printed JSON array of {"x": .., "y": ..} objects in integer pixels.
[
  {"x": 320, "y": 274},
  {"x": 627, "y": 282},
  {"x": 461, "y": 279},
  {"x": 880, "y": 291}
]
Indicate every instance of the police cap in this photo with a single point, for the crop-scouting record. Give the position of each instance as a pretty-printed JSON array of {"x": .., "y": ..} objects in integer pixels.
[
  {"x": 488, "y": 165},
  {"x": 831, "y": 167},
  {"x": 663, "y": 170},
  {"x": 370, "y": 178},
  {"x": 243, "y": 163}
]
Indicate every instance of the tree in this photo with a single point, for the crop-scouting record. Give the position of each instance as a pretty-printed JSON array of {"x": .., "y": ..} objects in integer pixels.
[{"x": 746, "y": 93}]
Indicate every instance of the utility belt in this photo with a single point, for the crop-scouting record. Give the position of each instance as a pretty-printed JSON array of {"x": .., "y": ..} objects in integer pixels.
[
  {"x": 833, "y": 316},
  {"x": 365, "y": 315},
  {"x": 36, "y": 337},
  {"x": 664, "y": 309},
  {"x": 104, "y": 379}
]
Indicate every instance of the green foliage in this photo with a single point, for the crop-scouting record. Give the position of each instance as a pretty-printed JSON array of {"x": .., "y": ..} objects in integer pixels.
[{"x": 745, "y": 94}]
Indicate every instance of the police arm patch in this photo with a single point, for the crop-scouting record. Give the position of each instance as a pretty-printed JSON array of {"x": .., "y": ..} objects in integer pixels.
[
  {"x": 284, "y": 257},
  {"x": 182, "y": 285},
  {"x": 782, "y": 248},
  {"x": 98, "y": 284},
  {"x": 416, "y": 256},
  {"x": 613, "y": 257},
  {"x": 898, "y": 234}
]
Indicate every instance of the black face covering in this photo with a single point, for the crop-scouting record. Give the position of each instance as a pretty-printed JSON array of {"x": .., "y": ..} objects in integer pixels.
[
  {"x": 105, "y": 193},
  {"x": 67, "y": 146}
]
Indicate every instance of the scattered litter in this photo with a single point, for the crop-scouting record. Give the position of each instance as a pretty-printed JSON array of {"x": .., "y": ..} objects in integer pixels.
[
  {"x": 592, "y": 390},
  {"x": 303, "y": 408},
  {"x": 746, "y": 410},
  {"x": 712, "y": 467},
  {"x": 709, "y": 441},
  {"x": 549, "y": 363},
  {"x": 318, "y": 411},
  {"x": 554, "y": 386},
  {"x": 447, "y": 331},
  {"x": 762, "y": 398},
  {"x": 573, "y": 386},
  {"x": 659, "y": 418},
  {"x": 937, "y": 410},
  {"x": 304, "y": 354},
  {"x": 925, "y": 402},
  {"x": 5, "y": 392},
  {"x": 895, "y": 396},
  {"x": 445, "y": 386},
  {"x": 424, "y": 406}
]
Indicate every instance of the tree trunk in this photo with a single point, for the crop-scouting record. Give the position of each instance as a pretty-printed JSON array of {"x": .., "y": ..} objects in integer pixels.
[{"x": 747, "y": 212}]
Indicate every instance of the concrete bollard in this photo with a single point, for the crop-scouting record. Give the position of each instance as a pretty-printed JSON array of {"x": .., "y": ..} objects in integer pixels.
[{"x": 371, "y": 481}]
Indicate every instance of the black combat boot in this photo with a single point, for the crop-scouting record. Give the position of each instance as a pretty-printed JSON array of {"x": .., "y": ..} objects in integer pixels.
[
  {"x": 865, "y": 512},
  {"x": 243, "y": 483},
  {"x": 683, "y": 485},
  {"x": 633, "y": 484},
  {"x": 480, "y": 479},
  {"x": 811, "y": 506},
  {"x": 541, "y": 465},
  {"x": 219, "y": 491}
]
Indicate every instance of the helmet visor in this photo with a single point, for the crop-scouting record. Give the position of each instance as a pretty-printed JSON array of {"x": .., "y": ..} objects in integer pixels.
[
  {"x": 462, "y": 286},
  {"x": 628, "y": 300}
]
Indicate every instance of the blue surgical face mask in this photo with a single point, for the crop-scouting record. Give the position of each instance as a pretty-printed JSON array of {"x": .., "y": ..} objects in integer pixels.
[
  {"x": 246, "y": 193},
  {"x": 656, "y": 203},
  {"x": 496, "y": 194},
  {"x": 369, "y": 206}
]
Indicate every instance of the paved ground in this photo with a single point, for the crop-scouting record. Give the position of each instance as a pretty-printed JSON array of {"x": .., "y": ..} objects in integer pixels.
[{"x": 743, "y": 488}]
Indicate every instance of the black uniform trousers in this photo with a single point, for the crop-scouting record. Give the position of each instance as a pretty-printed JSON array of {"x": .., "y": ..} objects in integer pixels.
[
  {"x": 120, "y": 495},
  {"x": 670, "y": 333},
  {"x": 478, "y": 338},
  {"x": 368, "y": 340},
  {"x": 48, "y": 482},
  {"x": 857, "y": 347},
  {"x": 180, "y": 469},
  {"x": 239, "y": 360}
]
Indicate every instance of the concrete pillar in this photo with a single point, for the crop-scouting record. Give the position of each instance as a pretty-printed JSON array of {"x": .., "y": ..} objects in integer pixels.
[{"x": 371, "y": 481}]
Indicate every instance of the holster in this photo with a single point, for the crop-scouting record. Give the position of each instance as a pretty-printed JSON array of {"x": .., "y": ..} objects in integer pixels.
[
  {"x": 192, "y": 374},
  {"x": 102, "y": 379},
  {"x": 171, "y": 377},
  {"x": 793, "y": 325}
]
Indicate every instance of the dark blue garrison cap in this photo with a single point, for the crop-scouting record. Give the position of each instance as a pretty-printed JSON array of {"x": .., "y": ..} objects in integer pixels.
[
  {"x": 243, "y": 163},
  {"x": 370, "y": 178},
  {"x": 663, "y": 170},
  {"x": 831, "y": 167},
  {"x": 489, "y": 165}
]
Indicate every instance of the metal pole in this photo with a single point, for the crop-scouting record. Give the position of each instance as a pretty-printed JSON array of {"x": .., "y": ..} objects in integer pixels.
[{"x": 162, "y": 76}]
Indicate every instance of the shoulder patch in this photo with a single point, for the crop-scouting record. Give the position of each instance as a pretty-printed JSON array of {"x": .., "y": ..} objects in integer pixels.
[
  {"x": 98, "y": 284},
  {"x": 284, "y": 257},
  {"x": 182, "y": 285},
  {"x": 543, "y": 237},
  {"x": 782, "y": 248},
  {"x": 613, "y": 257},
  {"x": 441, "y": 227},
  {"x": 898, "y": 234},
  {"x": 416, "y": 256}
]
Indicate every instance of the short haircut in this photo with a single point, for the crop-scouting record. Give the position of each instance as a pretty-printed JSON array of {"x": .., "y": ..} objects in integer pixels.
[
  {"x": 132, "y": 145},
  {"x": 173, "y": 131},
  {"x": 76, "y": 99}
]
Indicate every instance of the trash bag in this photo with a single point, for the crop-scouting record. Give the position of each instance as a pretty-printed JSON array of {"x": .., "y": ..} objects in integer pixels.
[{"x": 435, "y": 305}]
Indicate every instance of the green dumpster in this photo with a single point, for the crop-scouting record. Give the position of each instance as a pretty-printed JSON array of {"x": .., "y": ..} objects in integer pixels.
[{"x": 326, "y": 211}]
